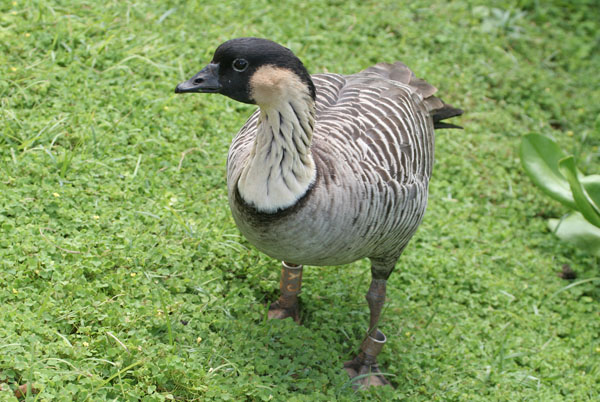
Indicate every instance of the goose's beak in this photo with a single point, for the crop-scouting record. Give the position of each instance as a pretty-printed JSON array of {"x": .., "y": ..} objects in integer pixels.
[{"x": 207, "y": 81}]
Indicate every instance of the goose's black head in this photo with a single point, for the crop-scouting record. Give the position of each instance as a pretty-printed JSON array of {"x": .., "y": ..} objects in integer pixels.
[{"x": 251, "y": 70}]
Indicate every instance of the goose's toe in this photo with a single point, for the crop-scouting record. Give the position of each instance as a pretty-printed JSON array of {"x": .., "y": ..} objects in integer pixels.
[
  {"x": 363, "y": 369},
  {"x": 364, "y": 376},
  {"x": 278, "y": 312}
]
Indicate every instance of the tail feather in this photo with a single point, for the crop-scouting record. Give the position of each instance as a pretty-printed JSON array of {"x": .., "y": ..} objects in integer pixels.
[{"x": 443, "y": 113}]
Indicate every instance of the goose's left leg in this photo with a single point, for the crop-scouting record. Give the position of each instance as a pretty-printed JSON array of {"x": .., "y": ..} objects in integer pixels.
[
  {"x": 290, "y": 285},
  {"x": 365, "y": 362}
]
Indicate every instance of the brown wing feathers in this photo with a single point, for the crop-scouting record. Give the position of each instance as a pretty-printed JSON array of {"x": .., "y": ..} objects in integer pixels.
[{"x": 399, "y": 72}]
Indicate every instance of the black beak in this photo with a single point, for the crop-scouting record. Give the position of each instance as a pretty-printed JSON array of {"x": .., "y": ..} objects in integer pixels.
[{"x": 207, "y": 81}]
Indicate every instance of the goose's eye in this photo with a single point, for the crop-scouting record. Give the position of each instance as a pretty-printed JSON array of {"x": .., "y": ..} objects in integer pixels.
[{"x": 240, "y": 65}]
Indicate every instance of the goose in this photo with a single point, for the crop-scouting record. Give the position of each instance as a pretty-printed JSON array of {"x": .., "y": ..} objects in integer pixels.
[{"x": 330, "y": 168}]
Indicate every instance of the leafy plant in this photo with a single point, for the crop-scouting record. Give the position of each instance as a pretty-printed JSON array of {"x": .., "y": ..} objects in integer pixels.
[
  {"x": 556, "y": 174},
  {"x": 496, "y": 20},
  {"x": 93, "y": 250}
]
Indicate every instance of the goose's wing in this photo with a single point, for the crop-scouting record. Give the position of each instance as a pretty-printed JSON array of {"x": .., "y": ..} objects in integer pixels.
[
  {"x": 399, "y": 72},
  {"x": 382, "y": 118}
]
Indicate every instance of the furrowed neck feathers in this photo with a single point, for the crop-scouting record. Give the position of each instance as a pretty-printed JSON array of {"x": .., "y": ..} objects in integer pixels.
[{"x": 280, "y": 168}]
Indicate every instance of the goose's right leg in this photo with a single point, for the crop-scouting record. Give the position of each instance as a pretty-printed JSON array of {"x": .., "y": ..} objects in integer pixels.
[{"x": 290, "y": 285}]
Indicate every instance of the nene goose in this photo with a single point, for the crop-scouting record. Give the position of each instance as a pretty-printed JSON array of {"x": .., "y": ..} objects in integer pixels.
[{"x": 330, "y": 169}]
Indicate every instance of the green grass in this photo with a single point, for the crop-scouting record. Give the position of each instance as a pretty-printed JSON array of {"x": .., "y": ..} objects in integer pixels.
[{"x": 123, "y": 276}]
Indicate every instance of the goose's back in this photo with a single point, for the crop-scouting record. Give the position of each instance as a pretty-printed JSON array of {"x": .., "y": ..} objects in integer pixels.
[{"x": 373, "y": 147}]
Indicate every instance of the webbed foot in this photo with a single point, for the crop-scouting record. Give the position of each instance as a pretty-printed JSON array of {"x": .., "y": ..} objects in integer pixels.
[{"x": 363, "y": 369}]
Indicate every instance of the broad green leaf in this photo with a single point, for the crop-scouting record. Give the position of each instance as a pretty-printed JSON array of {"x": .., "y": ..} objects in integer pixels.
[
  {"x": 576, "y": 230},
  {"x": 540, "y": 156},
  {"x": 568, "y": 169},
  {"x": 591, "y": 184}
]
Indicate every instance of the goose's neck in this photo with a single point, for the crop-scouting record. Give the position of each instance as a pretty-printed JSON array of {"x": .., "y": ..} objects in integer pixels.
[{"x": 280, "y": 168}]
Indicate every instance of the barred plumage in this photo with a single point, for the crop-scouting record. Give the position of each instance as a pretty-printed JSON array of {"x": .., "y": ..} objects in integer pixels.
[
  {"x": 329, "y": 170},
  {"x": 373, "y": 149}
]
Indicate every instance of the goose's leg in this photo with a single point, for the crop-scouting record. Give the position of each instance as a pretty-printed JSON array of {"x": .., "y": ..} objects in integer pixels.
[
  {"x": 290, "y": 286},
  {"x": 365, "y": 362}
]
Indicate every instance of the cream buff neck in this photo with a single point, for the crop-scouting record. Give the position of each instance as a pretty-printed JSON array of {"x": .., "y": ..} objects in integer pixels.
[{"x": 280, "y": 168}]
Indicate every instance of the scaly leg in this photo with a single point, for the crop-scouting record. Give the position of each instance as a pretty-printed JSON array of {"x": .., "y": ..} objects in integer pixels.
[
  {"x": 290, "y": 286},
  {"x": 365, "y": 362}
]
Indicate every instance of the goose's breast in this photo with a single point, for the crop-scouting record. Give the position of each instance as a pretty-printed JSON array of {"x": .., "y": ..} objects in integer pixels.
[
  {"x": 312, "y": 232},
  {"x": 346, "y": 216}
]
